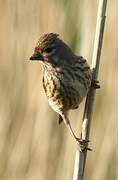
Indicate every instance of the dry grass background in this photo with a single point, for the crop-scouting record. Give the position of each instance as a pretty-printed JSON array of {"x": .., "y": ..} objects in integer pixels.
[{"x": 32, "y": 145}]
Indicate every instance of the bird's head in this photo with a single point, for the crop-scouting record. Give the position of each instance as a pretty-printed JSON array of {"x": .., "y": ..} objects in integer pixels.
[{"x": 50, "y": 49}]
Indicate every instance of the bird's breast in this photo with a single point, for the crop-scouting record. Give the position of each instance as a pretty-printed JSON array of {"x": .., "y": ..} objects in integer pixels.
[
  {"x": 51, "y": 86},
  {"x": 62, "y": 93}
]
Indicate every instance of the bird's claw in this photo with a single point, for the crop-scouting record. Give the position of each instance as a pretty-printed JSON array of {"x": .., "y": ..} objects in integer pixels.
[
  {"x": 83, "y": 144},
  {"x": 95, "y": 84}
]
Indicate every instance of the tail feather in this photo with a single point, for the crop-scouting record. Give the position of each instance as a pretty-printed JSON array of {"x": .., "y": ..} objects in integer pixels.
[{"x": 60, "y": 119}]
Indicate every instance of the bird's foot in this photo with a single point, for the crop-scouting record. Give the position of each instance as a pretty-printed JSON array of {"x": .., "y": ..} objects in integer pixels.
[
  {"x": 83, "y": 144},
  {"x": 95, "y": 84}
]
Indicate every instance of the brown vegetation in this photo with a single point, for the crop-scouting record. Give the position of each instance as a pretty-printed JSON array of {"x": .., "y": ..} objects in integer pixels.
[{"x": 32, "y": 145}]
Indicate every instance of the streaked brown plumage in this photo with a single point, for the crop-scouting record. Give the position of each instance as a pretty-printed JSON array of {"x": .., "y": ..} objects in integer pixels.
[{"x": 67, "y": 77}]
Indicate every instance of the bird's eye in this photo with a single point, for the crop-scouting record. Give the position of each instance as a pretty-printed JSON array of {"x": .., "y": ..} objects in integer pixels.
[{"x": 48, "y": 50}]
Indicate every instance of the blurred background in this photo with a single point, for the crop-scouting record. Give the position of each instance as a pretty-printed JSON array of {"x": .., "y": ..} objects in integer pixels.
[{"x": 32, "y": 144}]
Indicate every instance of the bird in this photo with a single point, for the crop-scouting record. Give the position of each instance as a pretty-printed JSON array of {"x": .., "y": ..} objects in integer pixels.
[{"x": 66, "y": 78}]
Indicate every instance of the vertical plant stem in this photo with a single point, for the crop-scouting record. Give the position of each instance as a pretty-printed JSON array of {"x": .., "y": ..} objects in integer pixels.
[{"x": 80, "y": 157}]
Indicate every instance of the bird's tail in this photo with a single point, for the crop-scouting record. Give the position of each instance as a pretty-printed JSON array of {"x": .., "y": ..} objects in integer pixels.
[{"x": 60, "y": 119}]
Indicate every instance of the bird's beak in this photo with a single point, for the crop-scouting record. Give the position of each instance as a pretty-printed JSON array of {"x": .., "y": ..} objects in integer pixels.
[{"x": 37, "y": 57}]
